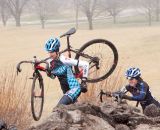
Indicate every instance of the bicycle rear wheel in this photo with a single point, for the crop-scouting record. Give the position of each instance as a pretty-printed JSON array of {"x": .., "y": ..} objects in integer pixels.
[
  {"x": 37, "y": 97},
  {"x": 102, "y": 56}
]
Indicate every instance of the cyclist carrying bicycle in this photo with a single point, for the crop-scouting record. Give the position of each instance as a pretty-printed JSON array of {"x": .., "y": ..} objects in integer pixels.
[
  {"x": 138, "y": 88},
  {"x": 61, "y": 67}
]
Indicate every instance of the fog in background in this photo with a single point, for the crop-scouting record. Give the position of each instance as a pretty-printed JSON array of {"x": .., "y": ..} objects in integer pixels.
[{"x": 87, "y": 14}]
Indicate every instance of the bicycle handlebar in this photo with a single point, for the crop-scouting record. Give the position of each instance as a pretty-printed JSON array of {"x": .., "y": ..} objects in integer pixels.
[
  {"x": 32, "y": 62},
  {"x": 113, "y": 94},
  {"x": 110, "y": 94}
]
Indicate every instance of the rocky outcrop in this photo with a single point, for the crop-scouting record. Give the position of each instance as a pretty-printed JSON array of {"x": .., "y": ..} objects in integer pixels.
[
  {"x": 107, "y": 116},
  {"x": 5, "y": 126}
]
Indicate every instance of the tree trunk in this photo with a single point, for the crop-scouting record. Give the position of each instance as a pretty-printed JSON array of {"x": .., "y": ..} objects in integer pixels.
[
  {"x": 18, "y": 20},
  {"x": 76, "y": 3},
  {"x": 114, "y": 19},
  {"x": 157, "y": 10},
  {"x": 4, "y": 21},
  {"x": 77, "y": 12},
  {"x": 42, "y": 23},
  {"x": 114, "y": 16},
  {"x": 149, "y": 17},
  {"x": 4, "y": 18},
  {"x": 90, "y": 21}
]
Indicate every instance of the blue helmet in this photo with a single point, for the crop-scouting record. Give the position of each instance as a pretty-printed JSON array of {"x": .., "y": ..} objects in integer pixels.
[
  {"x": 133, "y": 73},
  {"x": 52, "y": 45}
]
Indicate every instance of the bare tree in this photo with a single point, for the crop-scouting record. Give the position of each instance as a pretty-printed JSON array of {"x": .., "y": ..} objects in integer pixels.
[
  {"x": 44, "y": 9},
  {"x": 114, "y": 7},
  {"x": 148, "y": 6},
  {"x": 88, "y": 7},
  {"x": 16, "y": 8},
  {"x": 4, "y": 12}
]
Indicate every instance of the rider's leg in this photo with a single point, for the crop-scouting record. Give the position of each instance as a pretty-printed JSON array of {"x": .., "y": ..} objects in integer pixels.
[
  {"x": 70, "y": 97},
  {"x": 74, "y": 89},
  {"x": 156, "y": 103},
  {"x": 65, "y": 100},
  {"x": 74, "y": 93}
]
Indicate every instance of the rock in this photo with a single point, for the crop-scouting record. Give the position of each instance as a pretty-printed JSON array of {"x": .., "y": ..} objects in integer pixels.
[
  {"x": 147, "y": 127},
  {"x": 122, "y": 127},
  {"x": 152, "y": 111},
  {"x": 107, "y": 116},
  {"x": 98, "y": 123},
  {"x": 12, "y": 128},
  {"x": 76, "y": 116},
  {"x": 121, "y": 118},
  {"x": 3, "y": 125}
]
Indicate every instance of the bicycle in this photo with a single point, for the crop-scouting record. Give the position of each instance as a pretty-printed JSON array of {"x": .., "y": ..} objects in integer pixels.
[
  {"x": 117, "y": 95},
  {"x": 36, "y": 77},
  {"x": 95, "y": 61}
]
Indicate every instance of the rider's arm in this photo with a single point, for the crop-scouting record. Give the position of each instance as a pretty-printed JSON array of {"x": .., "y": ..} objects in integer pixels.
[
  {"x": 140, "y": 97},
  {"x": 142, "y": 93},
  {"x": 74, "y": 62},
  {"x": 49, "y": 71}
]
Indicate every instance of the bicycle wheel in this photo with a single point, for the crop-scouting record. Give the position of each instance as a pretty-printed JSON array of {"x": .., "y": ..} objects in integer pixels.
[
  {"x": 102, "y": 56},
  {"x": 37, "y": 97}
]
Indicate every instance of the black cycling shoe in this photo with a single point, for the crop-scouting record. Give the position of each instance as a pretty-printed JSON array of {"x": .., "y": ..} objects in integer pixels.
[{"x": 84, "y": 86}]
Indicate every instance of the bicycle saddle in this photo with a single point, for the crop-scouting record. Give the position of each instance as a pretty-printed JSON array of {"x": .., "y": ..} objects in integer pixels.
[{"x": 68, "y": 33}]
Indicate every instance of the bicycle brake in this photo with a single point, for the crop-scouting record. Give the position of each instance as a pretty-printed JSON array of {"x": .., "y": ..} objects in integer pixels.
[
  {"x": 101, "y": 94},
  {"x": 18, "y": 70}
]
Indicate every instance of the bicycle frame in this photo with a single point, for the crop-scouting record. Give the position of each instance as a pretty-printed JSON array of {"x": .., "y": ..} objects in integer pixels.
[
  {"x": 76, "y": 51},
  {"x": 36, "y": 71}
]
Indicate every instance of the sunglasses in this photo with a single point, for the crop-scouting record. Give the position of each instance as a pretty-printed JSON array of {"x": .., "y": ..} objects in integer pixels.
[{"x": 130, "y": 78}]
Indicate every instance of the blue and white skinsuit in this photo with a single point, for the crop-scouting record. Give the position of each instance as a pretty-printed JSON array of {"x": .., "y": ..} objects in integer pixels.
[
  {"x": 62, "y": 68},
  {"x": 140, "y": 93}
]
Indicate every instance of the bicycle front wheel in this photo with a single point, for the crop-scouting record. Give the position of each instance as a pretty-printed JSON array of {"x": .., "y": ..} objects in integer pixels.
[
  {"x": 37, "y": 97},
  {"x": 102, "y": 56}
]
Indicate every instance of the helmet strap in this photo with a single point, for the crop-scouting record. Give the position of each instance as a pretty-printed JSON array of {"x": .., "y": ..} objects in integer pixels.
[{"x": 57, "y": 55}]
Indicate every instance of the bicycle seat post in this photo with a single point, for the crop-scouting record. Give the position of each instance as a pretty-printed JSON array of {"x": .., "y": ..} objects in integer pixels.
[{"x": 68, "y": 46}]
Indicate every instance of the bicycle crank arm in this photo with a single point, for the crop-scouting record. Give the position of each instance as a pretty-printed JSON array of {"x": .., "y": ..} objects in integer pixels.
[{"x": 38, "y": 96}]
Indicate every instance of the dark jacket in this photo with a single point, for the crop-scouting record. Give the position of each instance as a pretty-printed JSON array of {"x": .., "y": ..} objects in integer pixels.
[{"x": 142, "y": 94}]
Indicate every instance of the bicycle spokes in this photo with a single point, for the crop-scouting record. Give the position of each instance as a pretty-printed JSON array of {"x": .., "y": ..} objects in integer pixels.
[
  {"x": 37, "y": 94},
  {"x": 102, "y": 57}
]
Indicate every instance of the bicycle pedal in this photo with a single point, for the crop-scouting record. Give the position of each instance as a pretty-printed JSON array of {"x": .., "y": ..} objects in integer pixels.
[{"x": 31, "y": 78}]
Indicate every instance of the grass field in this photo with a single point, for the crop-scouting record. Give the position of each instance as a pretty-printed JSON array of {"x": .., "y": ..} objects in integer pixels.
[{"x": 137, "y": 46}]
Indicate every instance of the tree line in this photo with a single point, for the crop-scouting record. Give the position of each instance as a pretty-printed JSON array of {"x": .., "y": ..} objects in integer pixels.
[{"x": 89, "y": 8}]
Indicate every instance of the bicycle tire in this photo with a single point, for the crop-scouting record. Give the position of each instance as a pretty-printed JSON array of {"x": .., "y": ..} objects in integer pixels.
[
  {"x": 115, "y": 60},
  {"x": 36, "y": 117}
]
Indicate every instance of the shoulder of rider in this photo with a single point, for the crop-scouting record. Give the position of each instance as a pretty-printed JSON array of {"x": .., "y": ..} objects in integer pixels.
[
  {"x": 64, "y": 59},
  {"x": 144, "y": 84}
]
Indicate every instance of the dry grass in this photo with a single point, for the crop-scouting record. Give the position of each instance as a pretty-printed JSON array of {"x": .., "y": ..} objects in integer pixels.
[
  {"x": 137, "y": 46},
  {"x": 114, "y": 82},
  {"x": 14, "y": 99}
]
